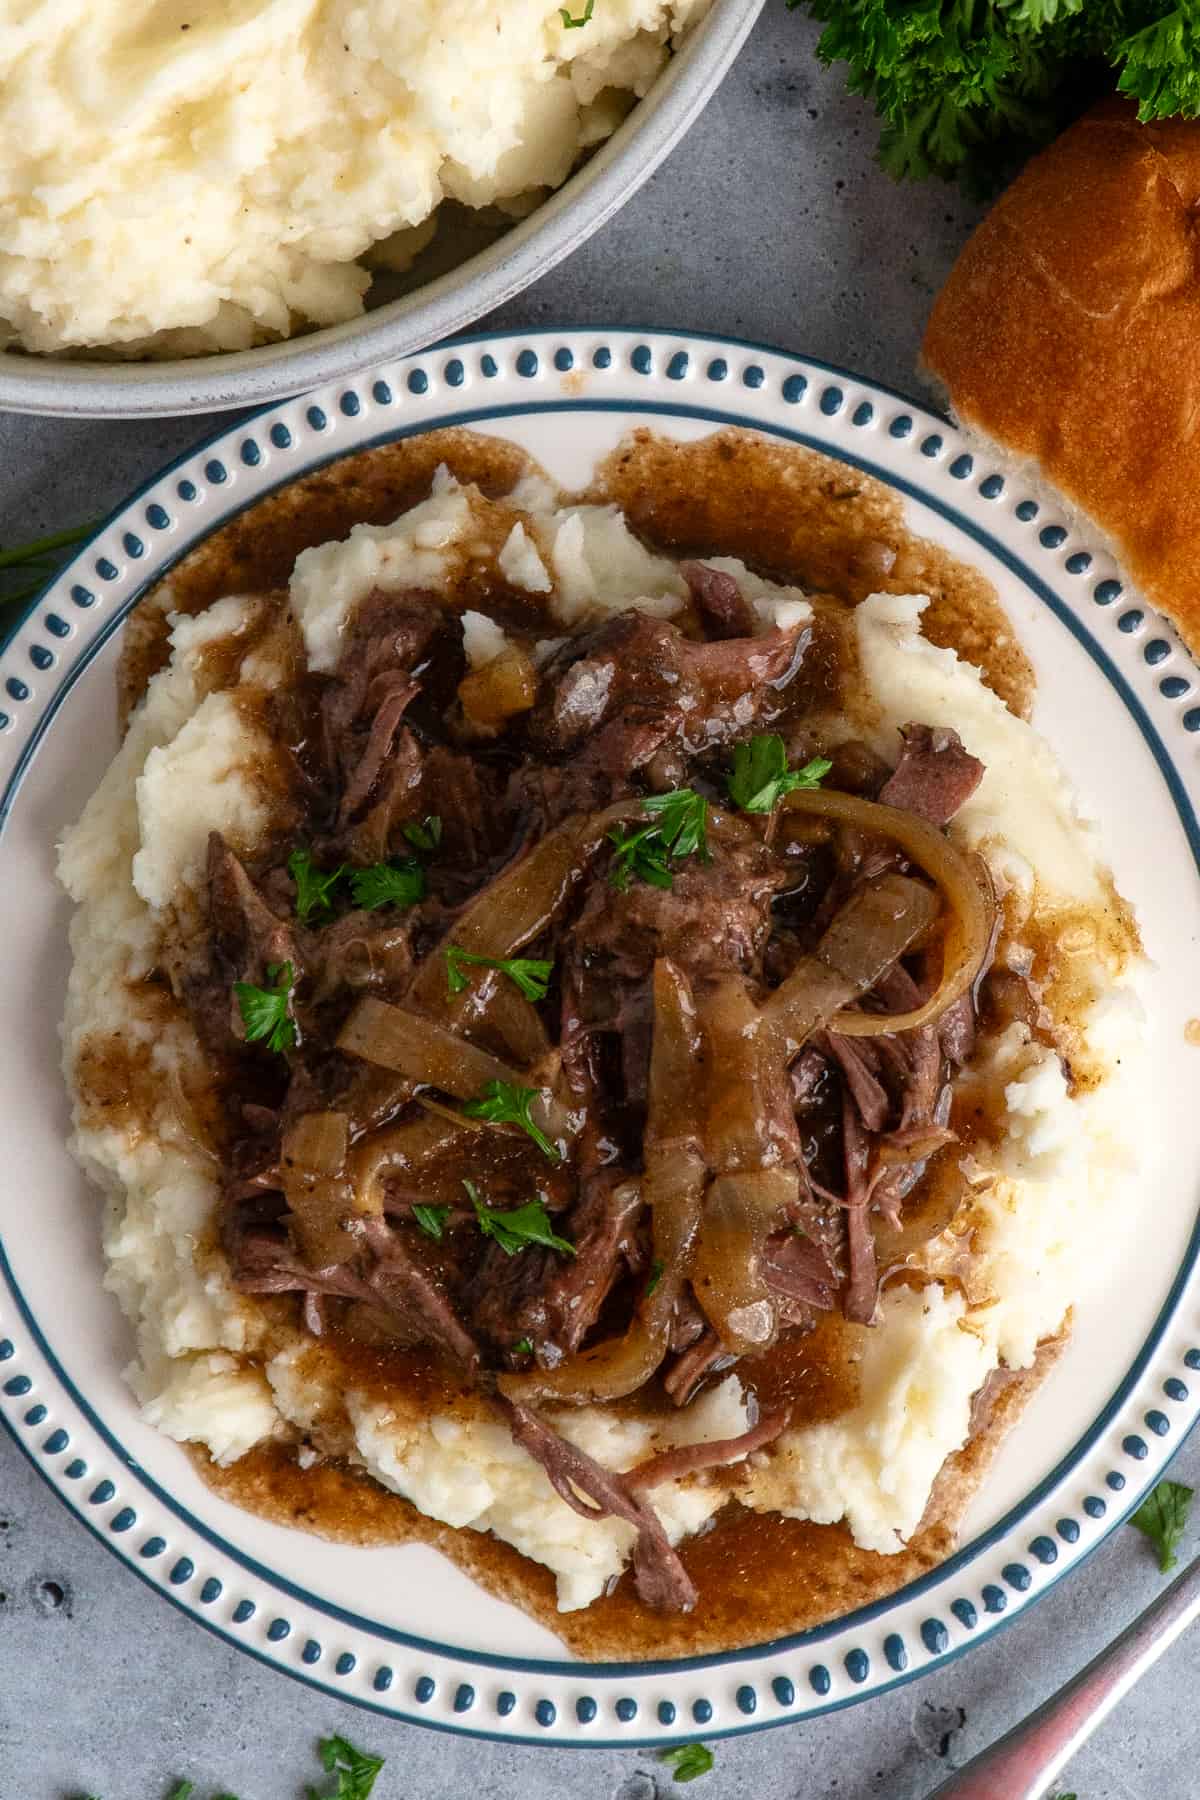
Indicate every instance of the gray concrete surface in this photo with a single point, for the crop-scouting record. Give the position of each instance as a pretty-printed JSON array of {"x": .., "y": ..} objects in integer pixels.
[{"x": 772, "y": 222}]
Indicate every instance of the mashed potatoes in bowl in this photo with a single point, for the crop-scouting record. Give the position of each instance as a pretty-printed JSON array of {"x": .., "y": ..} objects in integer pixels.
[
  {"x": 691, "y": 1225},
  {"x": 178, "y": 181}
]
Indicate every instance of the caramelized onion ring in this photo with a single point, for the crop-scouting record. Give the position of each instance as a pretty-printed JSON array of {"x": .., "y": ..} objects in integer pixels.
[{"x": 970, "y": 922}]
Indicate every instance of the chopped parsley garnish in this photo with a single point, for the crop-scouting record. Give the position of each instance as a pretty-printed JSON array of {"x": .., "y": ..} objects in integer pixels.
[
  {"x": 687, "y": 1761},
  {"x": 355, "y": 1770},
  {"x": 183, "y": 1790},
  {"x": 523, "y": 1347},
  {"x": 400, "y": 883},
  {"x": 678, "y": 827},
  {"x": 313, "y": 889},
  {"x": 432, "y": 1219},
  {"x": 1163, "y": 1517},
  {"x": 507, "y": 1103},
  {"x": 266, "y": 1012},
  {"x": 530, "y": 976},
  {"x": 570, "y": 24},
  {"x": 516, "y": 1230},
  {"x": 656, "y": 1275},
  {"x": 425, "y": 836},
  {"x": 761, "y": 777}
]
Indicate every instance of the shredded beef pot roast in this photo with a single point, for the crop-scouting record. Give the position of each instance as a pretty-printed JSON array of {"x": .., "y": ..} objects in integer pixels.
[{"x": 583, "y": 1074}]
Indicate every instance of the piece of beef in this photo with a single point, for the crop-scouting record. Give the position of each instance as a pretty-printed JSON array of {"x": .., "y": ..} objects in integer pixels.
[
  {"x": 718, "y": 1453},
  {"x": 384, "y": 728},
  {"x": 935, "y": 775},
  {"x": 797, "y": 1269},
  {"x": 715, "y": 916},
  {"x": 642, "y": 672},
  {"x": 854, "y": 1058},
  {"x": 719, "y": 600},
  {"x": 687, "y": 1323},
  {"x": 597, "y": 1493},
  {"x": 705, "y": 1357},
  {"x": 389, "y": 635},
  {"x": 552, "y": 1300},
  {"x": 386, "y": 1275},
  {"x": 246, "y": 938}
]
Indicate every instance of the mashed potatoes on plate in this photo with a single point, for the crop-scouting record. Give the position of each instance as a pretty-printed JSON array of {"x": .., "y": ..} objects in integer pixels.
[
  {"x": 1041, "y": 1187},
  {"x": 178, "y": 178}
]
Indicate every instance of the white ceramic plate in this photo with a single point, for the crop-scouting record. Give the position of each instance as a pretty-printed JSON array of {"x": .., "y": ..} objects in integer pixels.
[{"x": 402, "y": 1630}]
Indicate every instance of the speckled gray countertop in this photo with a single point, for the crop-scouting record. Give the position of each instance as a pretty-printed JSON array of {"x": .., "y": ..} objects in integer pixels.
[{"x": 770, "y": 221}]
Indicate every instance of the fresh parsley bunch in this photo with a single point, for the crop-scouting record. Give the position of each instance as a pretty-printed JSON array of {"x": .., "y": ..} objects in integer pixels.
[{"x": 966, "y": 88}]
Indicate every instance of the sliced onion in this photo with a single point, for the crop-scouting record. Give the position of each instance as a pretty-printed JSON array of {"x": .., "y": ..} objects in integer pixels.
[
  {"x": 970, "y": 922},
  {"x": 749, "y": 1122},
  {"x": 319, "y": 1195},
  {"x": 420, "y": 1049},
  {"x": 896, "y": 1245},
  {"x": 511, "y": 911},
  {"x": 408, "y": 1151},
  {"x": 740, "y": 1212}
]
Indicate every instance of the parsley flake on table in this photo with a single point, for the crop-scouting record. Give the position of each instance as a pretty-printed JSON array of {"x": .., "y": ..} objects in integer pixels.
[
  {"x": 761, "y": 777},
  {"x": 517, "y": 1229},
  {"x": 426, "y": 834},
  {"x": 313, "y": 889},
  {"x": 400, "y": 883},
  {"x": 355, "y": 1770},
  {"x": 432, "y": 1219},
  {"x": 266, "y": 1012},
  {"x": 528, "y": 974},
  {"x": 507, "y": 1103},
  {"x": 678, "y": 827},
  {"x": 1163, "y": 1517},
  {"x": 688, "y": 1761}
]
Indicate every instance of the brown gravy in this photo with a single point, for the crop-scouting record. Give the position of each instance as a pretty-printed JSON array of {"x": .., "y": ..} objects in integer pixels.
[{"x": 798, "y": 517}]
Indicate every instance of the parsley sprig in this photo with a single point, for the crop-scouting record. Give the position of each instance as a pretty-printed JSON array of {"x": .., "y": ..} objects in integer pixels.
[
  {"x": 314, "y": 890},
  {"x": 432, "y": 1219},
  {"x": 425, "y": 834},
  {"x": 267, "y": 1012},
  {"x": 397, "y": 883},
  {"x": 507, "y": 1103},
  {"x": 517, "y": 1229},
  {"x": 530, "y": 975},
  {"x": 31, "y": 565},
  {"x": 688, "y": 1761},
  {"x": 678, "y": 827},
  {"x": 761, "y": 777},
  {"x": 966, "y": 89},
  {"x": 1163, "y": 1517}
]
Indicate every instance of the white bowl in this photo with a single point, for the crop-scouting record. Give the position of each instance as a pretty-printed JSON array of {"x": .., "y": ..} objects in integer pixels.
[{"x": 431, "y": 310}]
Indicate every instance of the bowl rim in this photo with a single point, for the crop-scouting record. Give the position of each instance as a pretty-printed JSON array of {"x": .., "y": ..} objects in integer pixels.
[{"x": 54, "y": 387}]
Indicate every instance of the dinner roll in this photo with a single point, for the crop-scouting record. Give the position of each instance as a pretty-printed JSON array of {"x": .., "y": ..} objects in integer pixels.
[{"x": 1068, "y": 334}]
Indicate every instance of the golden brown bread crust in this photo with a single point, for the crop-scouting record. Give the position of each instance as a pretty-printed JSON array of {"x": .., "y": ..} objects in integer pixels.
[{"x": 1069, "y": 332}]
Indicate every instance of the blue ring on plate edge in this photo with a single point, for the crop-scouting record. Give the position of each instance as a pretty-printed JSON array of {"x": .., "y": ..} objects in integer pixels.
[{"x": 969, "y": 1552}]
